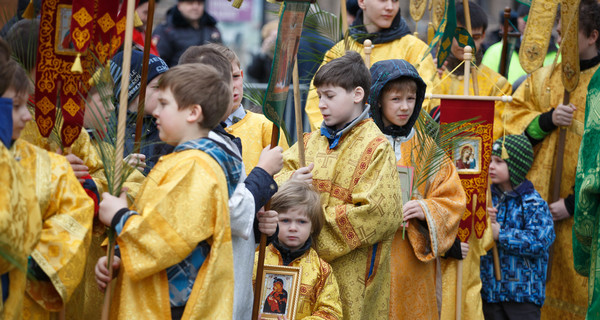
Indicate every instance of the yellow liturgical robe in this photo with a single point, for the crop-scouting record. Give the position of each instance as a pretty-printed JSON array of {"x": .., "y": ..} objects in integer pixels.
[
  {"x": 319, "y": 297},
  {"x": 566, "y": 291},
  {"x": 413, "y": 287},
  {"x": 67, "y": 214},
  {"x": 358, "y": 183},
  {"x": 409, "y": 48},
  {"x": 490, "y": 83},
  {"x": 20, "y": 229},
  {"x": 255, "y": 132},
  {"x": 182, "y": 203}
]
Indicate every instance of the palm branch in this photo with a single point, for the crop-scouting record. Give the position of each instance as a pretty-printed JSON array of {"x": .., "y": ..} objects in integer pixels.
[{"x": 434, "y": 142}]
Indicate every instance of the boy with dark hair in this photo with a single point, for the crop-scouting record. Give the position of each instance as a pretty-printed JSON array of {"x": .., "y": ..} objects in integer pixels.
[
  {"x": 538, "y": 111},
  {"x": 178, "y": 237},
  {"x": 252, "y": 193},
  {"x": 187, "y": 24},
  {"x": 523, "y": 228},
  {"x": 381, "y": 22},
  {"x": 435, "y": 209},
  {"x": 353, "y": 167},
  {"x": 301, "y": 219}
]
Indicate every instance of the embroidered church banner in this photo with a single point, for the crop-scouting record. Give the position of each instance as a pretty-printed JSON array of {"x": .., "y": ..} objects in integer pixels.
[
  {"x": 472, "y": 158},
  {"x": 286, "y": 48}
]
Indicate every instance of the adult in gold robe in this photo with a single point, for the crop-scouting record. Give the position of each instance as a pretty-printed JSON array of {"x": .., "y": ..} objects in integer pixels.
[
  {"x": 182, "y": 202},
  {"x": 537, "y": 109},
  {"x": 358, "y": 184}
]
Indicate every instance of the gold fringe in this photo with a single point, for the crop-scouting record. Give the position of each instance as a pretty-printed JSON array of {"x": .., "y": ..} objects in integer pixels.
[
  {"x": 137, "y": 21},
  {"x": 237, "y": 3},
  {"x": 29, "y": 12},
  {"x": 76, "y": 68}
]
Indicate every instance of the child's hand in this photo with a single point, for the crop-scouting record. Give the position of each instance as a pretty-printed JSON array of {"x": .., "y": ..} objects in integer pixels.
[
  {"x": 495, "y": 230},
  {"x": 267, "y": 221},
  {"x": 464, "y": 249},
  {"x": 304, "y": 174},
  {"x": 136, "y": 160},
  {"x": 563, "y": 115},
  {"x": 110, "y": 205},
  {"x": 102, "y": 274},
  {"x": 79, "y": 168},
  {"x": 271, "y": 160},
  {"x": 492, "y": 213},
  {"x": 412, "y": 209}
]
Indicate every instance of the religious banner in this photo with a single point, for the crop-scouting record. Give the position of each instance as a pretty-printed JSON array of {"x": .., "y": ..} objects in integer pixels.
[
  {"x": 448, "y": 33},
  {"x": 472, "y": 158},
  {"x": 288, "y": 38}
]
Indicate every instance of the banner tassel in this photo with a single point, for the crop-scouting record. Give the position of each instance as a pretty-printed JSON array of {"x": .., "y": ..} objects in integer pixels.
[
  {"x": 29, "y": 12},
  {"x": 76, "y": 68}
]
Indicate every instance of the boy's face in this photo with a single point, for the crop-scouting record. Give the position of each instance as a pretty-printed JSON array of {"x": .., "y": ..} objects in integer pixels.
[
  {"x": 338, "y": 106},
  {"x": 397, "y": 106},
  {"x": 97, "y": 115},
  {"x": 378, "y": 14},
  {"x": 587, "y": 45},
  {"x": 294, "y": 228},
  {"x": 20, "y": 113},
  {"x": 191, "y": 10},
  {"x": 170, "y": 121},
  {"x": 151, "y": 95},
  {"x": 499, "y": 173},
  {"x": 237, "y": 78},
  {"x": 478, "y": 37}
]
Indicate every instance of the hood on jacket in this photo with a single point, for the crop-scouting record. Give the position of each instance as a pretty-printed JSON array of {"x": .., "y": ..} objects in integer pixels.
[
  {"x": 176, "y": 19},
  {"x": 383, "y": 72},
  {"x": 397, "y": 30}
]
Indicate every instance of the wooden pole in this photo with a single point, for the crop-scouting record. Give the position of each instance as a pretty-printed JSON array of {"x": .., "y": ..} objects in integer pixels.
[
  {"x": 263, "y": 244},
  {"x": 122, "y": 119},
  {"x": 562, "y": 135},
  {"x": 344, "y": 15},
  {"x": 495, "y": 255},
  {"x": 473, "y": 71},
  {"x": 298, "y": 113},
  {"x": 139, "y": 123},
  {"x": 504, "y": 56},
  {"x": 367, "y": 46}
]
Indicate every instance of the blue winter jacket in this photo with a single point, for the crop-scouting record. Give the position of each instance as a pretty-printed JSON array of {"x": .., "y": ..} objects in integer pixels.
[{"x": 526, "y": 233}]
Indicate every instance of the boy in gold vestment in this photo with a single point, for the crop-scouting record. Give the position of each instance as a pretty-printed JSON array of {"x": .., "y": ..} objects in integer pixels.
[
  {"x": 352, "y": 165},
  {"x": 175, "y": 241},
  {"x": 538, "y": 111}
]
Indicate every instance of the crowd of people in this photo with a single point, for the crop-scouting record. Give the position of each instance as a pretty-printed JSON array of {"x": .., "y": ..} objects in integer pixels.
[{"x": 206, "y": 184}]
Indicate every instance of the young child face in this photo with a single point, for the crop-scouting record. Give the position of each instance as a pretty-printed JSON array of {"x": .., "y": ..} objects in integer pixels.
[
  {"x": 97, "y": 115},
  {"x": 237, "y": 78},
  {"x": 397, "y": 106},
  {"x": 151, "y": 100},
  {"x": 294, "y": 228},
  {"x": 169, "y": 119},
  {"x": 378, "y": 14},
  {"x": 338, "y": 106},
  {"x": 20, "y": 113},
  {"x": 499, "y": 173}
]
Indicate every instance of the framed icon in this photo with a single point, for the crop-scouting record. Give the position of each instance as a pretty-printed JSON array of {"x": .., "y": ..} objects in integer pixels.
[{"x": 279, "y": 291}]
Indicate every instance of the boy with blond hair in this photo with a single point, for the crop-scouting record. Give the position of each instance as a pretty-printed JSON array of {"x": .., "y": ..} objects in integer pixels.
[
  {"x": 175, "y": 241},
  {"x": 352, "y": 165},
  {"x": 253, "y": 129}
]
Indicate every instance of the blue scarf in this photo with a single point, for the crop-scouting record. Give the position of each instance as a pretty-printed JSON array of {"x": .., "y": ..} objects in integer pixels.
[{"x": 230, "y": 163}]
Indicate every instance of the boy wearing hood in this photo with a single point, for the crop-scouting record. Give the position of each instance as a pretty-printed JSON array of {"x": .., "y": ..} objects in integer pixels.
[
  {"x": 435, "y": 208},
  {"x": 188, "y": 24},
  {"x": 379, "y": 21}
]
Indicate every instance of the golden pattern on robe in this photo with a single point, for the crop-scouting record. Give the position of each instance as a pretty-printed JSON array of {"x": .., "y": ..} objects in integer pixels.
[
  {"x": 358, "y": 183},
  {"x": 87, "y": 300},
  {"x": 20, "y": 229},
  {"x": 489, "y": 82},
  {"x": 443, "y": 200},
  {"x": 319, "y": 297},
  {"x": 67, "y": 214},
  {"x": 471, "y": 281},
  {"x": 255, "y": 132},
  {"x": 530, "y": 100},
  {"x": 409, "y": 48},
  {"x": 182, "y": 202}
]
